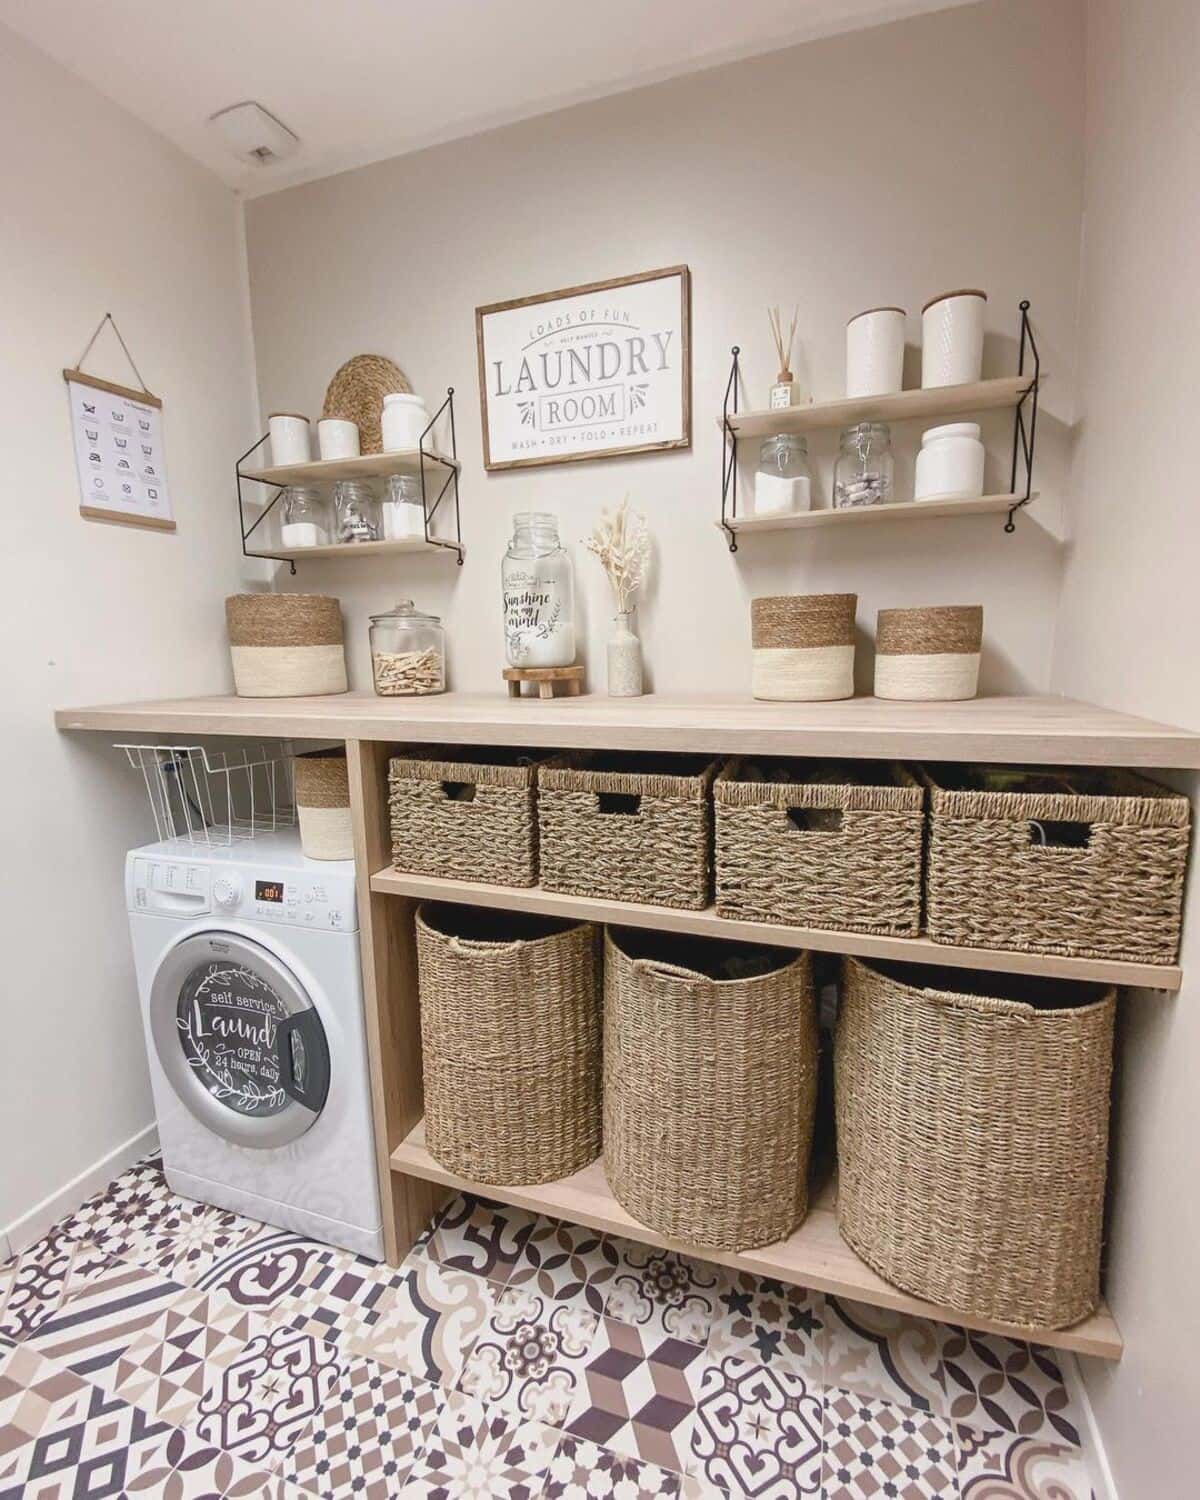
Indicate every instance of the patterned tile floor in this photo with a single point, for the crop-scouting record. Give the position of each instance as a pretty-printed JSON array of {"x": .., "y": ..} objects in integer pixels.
[{"x": 150, "y": 1346}]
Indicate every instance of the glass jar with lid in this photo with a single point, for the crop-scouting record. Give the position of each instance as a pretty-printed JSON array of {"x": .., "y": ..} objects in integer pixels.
[
  {"x": 356, "y": 511},
  {"x": 403, "y": 509},
  {"x": 783, "y": 482},
  {"x": 539, "y": 595},
  {"x": 408, "y": 652},
  {"x": 307, "y": 517},
  {"x": 865, "y": 469}
]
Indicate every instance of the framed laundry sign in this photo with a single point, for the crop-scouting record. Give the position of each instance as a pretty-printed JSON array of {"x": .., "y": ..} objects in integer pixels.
[
  {"x": 587, "y": 372},
  {"x": 118, "y": 438}
]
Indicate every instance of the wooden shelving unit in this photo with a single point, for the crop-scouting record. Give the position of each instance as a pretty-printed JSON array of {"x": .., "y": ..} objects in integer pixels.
[
  {"x": 943, "y": 401},
  {"x": 815, "y": 1255},
  {"x": 366, "y": 466},
  {"x": 866, "y": 515},
  {"x": 1039, "y": 730},
  {"x": 918, "y": 950},
  {"x": 358, "y": 549}
]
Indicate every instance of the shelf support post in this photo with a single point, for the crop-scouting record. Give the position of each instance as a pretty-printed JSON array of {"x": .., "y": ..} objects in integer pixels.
[
  {"x": 729, "y": 453},
  {"x": 1024, "y": 433},
  {"x": 278, "y": 488},
  {"x": 450, "y": 481}
]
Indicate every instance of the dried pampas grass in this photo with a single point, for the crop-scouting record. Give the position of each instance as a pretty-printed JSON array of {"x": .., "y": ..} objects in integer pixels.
[{"x": 622, "y": 543}]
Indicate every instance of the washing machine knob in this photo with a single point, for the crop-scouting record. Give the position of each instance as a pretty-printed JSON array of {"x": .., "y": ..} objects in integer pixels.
[{"x": 227, "y": 890}]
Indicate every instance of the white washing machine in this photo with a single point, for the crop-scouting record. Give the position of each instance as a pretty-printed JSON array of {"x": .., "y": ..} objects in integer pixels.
[{"x": 251, "y": 994}]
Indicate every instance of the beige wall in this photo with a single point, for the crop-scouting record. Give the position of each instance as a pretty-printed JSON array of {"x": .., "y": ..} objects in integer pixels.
[
  {"x": 1127, "y": 637},
  {"x": 98, "y": 214},
  {"x": 883, "y": 166}
]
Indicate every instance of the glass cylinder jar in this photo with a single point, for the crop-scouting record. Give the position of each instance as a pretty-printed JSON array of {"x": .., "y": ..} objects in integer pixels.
[
  {"x": 783, "y": 483},
  {"x": 408, "y": 652},
  {"x": 307, "y": 518},
  {"x": 356, "y": 511},
  {"x": 865, "y": 468},
  {"x": 539, "y": 595},
  {"x": 403, "y": 510}
]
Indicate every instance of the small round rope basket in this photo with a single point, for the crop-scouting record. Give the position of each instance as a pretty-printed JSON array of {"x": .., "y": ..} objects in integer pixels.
[
  {"x": 710, "y": 1084},
  {"x": 972, "y": 1123},
  {"x": 510, "y": 1034},
  {"x": 356, "y": 393}
]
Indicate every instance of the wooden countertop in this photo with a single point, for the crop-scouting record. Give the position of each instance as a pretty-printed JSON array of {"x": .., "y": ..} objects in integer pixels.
[{"x": 1041, "y": 730}]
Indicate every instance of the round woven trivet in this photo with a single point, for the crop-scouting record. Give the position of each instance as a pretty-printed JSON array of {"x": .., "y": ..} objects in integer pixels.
[
  {"x": 356, "y": 394},
  {"x": 930, "y": 631},
  {"x": 321, "y": 779},
  {"x": 794, "y": 620},
  {"x": 283, "y": 620}
]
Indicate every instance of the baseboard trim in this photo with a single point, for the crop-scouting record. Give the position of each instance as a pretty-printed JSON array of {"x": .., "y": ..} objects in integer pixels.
[
  {"x": 1101, "y": 1474},
  {"x": 31, "y": 1226}
]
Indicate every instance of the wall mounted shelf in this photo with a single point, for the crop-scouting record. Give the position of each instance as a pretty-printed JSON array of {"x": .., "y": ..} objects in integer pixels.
[
  {"x": 814, "y": 1255},
  {"x": 426, "y": 461},
  {"x": 918, "y": 950},
  {"x": 1018, "y": 392},
  {"x": 863, "y": 515}
]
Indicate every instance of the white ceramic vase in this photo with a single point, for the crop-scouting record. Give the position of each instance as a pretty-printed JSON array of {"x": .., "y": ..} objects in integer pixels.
[{"x": 624, "y": 659}]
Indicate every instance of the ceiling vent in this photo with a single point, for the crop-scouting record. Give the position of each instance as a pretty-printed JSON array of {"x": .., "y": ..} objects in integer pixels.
[{"x": 253, "y": 134}]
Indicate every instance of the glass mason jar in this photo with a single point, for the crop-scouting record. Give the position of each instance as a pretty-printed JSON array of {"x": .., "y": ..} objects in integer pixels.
[
  {"x": 403, "y": 510},
  {"x": 307, "y": 518},
  {"x": 865, "y": 468},
  {"x": 356, "y": 511},
  {"x": 539, "y": 595},
  {"x": 408, "y": 652},
  {"x": 783, "y": 483}
]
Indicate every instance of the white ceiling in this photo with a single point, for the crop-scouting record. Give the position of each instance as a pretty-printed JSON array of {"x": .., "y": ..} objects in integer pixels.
[{"x": 359, "y": 80}]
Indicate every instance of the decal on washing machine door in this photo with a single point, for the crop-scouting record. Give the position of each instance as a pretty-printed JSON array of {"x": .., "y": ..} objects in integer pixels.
[{"x": 228, "y": 1019}]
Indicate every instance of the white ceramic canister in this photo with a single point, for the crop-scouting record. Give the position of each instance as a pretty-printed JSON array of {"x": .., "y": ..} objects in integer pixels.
[
  {"x": 404, "y": 420},
  {"x": 875, "y": 352},
  {"x": 337, "y": 438},
  {"x": 291, "y": 438},
  {"x": 950, "y": 463},
  {"x": 952, "y": 339}
]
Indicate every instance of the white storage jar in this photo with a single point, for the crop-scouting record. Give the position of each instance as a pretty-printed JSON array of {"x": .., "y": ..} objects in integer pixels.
[
  {"x": 950, "y": 463},
  {"x": 337, "y": 438},
  {"x": 404, "y": 420},
  {"x": 952, "y": 339},
  {"x": 875, "y": 352},
  {"x": 291, "y": 438}
]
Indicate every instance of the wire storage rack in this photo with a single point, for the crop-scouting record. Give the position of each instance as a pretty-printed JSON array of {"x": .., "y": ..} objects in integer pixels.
[{"x": 217, "y": 797}]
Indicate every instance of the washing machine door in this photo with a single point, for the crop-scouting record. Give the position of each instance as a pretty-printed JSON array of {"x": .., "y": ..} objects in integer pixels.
[{"x": 239, "y": 1039}]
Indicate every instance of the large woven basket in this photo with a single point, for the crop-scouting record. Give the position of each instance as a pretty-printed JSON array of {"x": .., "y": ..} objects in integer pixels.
[
  {"x": 710, "y": 1080},
  {"x": 820, "y": 845},
  {"x": 510, "y": 1035},
  {"x": 465, "y": 819},
  {"x": 285, "y": 645},
  {"x": 625, "y": 827},
  {"x": 1078, "y": 861},
  {"x": 972, "y": 1118}
]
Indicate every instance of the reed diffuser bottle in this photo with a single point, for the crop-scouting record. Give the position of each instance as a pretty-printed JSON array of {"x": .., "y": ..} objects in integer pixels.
[{"x": 785, "y": 391}]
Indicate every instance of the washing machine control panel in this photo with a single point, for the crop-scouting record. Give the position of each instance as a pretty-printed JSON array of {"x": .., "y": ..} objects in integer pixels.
[{"x": 179, "y": 888}]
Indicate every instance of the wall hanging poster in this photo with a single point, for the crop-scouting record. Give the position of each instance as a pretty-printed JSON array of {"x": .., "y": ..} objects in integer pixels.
[
  {"x": 119, "y": 452},
  {"x": 587, "y": 372}
]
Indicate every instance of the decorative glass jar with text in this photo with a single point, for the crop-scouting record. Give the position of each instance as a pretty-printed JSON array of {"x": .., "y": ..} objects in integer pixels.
[{"x": 539, "y": 595}]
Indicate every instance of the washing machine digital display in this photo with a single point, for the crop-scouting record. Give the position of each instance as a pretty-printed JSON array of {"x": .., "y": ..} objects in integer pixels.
[
  {"x": 228, "y": 1021},
  {"x": 268, "y": 890}
]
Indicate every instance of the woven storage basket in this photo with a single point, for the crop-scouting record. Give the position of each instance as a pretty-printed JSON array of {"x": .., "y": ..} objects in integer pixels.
[
  {"x": 627, "y": 828},
  {"x": 820, "y": 845},
  {"x": 929, "y": 654},
  {"x": 803, "y": 647},
  {"x": 972, "y": 1118},
  {"x": 510, "y": 1032},
  {"x": 285, "y": 645},
  {"x": 322, "y": 787},
  {"x": 356, "y": 394},
  {"x": 1077, "y": 861},
  {"x": 465, "y": 819},
  {"x": 709, "y": 1087}
]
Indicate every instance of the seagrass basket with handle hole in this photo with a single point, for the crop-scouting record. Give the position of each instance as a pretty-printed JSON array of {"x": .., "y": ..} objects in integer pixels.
[
  {"x": 972, "y": 1136},
  {"x": 463, "y": 815},
  {"x": 1081, "y": 861},
  {"x": 510, "y": 1037},
  {"x": 620, "y": 826},
  {"x": 824, "y": 844},
  {"x": 710, "y": 1083}
]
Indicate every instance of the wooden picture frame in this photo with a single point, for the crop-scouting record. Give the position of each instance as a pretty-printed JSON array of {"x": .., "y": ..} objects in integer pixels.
[{"x": 633, "y": 380}]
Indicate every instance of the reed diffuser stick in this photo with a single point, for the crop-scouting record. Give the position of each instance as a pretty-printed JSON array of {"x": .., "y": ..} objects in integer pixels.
[{"x": 783, "y": 350}]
